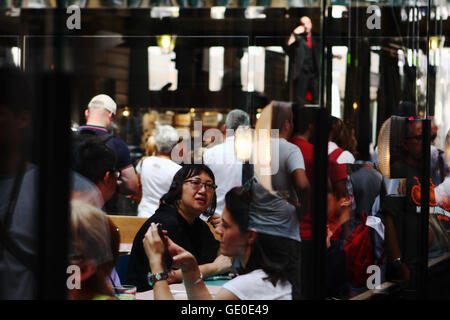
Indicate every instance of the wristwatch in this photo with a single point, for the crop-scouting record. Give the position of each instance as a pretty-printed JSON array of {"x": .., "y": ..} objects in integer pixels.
[
  {"x": 154, "y": 277},
  {"x": 397, "y": 263}
]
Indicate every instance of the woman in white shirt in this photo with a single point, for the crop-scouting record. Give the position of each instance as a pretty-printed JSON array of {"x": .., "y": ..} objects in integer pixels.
[
  {"x": 265, "y": 268},
  {"x": 156, "y": 172}
]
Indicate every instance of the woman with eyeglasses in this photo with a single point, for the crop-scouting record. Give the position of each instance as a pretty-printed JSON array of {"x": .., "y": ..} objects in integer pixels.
[
  {"x": 156, "y": 172},
  {"x": 265, "y": 263},
  {"x": 191, "y": 194}
]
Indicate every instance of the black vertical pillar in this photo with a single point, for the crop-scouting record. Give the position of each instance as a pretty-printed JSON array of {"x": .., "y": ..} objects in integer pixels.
[
  {"x": 364, "y": 129},
  {"x": 319, "y": 203},
  {"x": 54, "y": 181},
  {"x": 139, "y": 92},
  {"x": 319, "y": 184},
  {"x": 389, "y": 86},
  {"x": 424, "y": 210},
  {"x": 329, "y": 78},
  {"x": 431, "y": 91},
  {"x": 53, "y": 103}
]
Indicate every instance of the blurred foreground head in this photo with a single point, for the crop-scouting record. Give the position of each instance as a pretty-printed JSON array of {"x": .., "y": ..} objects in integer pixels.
[
  {"x": 16, "y": 98},
  {"x": 94, "y": 248}
]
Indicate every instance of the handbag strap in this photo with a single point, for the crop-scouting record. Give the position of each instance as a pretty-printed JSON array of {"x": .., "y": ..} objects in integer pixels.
[{"x": 6, "y": 242}]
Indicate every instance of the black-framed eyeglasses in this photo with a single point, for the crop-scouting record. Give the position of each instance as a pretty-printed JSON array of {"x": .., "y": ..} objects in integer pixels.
[{"x": 197, "y": 185}]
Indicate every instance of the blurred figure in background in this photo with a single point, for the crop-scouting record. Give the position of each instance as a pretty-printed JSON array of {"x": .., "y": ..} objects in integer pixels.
[
  {"x": 400, "y": 214},
  {"x": 18, "y": 194},
  {"x": 303, "y": 51},
  {"x": 347, "y": 141},
  {"x": 99, "y": 115},
  {"x": 221, "y": 159},
  {"x": 289, "y": 201},
  {"x": 97, "y": 162},
  {"x": 156, "y": 172}
]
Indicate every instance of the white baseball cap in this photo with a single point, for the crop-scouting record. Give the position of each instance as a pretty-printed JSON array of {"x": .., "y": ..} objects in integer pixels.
[{"x": 103, "y": 101}]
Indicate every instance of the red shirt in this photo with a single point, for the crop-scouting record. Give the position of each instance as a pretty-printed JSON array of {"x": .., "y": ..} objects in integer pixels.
[
  {"x": 307, "y": 150},
  {"x": 336, "y": 173}
]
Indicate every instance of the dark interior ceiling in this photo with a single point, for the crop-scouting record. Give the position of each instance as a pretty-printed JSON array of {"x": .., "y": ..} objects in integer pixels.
[{"x": 197, "y": 22}]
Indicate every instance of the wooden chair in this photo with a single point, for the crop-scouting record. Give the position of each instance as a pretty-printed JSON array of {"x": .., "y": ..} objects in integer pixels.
[{"x": 128, "y": 226}]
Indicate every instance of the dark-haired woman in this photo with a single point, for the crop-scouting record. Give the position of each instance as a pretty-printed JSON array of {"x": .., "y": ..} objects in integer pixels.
[
  {"x": 265, "y": 265},
  {"x": 191, "y": 194}
]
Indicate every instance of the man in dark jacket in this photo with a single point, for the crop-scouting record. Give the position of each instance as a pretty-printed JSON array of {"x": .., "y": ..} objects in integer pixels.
[{"x": 303, "y": 50}]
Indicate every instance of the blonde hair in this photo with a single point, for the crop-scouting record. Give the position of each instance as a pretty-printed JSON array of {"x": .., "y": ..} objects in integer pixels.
[
  {"x": 150, "y": 146},
  {"x": 94, "y": 238},
  {"x": 90, "y": 232}
]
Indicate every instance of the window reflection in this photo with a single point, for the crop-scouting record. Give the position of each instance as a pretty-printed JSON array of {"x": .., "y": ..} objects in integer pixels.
[
  {"x": 192, "y": 86},
  {"x": 216, "y": 68},
  {"x": 162, "y": 72}
]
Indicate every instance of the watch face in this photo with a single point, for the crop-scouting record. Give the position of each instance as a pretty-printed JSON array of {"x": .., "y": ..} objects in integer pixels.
[{"x": 152, "y": 278}]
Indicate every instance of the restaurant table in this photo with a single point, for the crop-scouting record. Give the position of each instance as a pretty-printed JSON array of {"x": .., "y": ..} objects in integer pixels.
[{"x": 125, "y": 248}]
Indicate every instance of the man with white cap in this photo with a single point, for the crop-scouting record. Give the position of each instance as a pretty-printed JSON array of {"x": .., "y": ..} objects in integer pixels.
[{"x": 99, "y": 113}]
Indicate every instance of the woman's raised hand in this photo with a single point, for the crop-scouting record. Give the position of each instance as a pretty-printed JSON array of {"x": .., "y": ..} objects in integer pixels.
[{"x": 154, "y": 246}]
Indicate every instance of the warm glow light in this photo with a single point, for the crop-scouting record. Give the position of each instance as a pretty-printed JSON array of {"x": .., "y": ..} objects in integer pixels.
[
  {"x": 434, "y": 43},
  {"x": 383, "y": 150},
  {"x": 264, "y": 154},
  {"x": 166, "y": 42},
  {"x": 447, "y": 155},
  {"x": 243, "y": 139},
  {"x": 126, "y": 112},
  {"x": 447, "y": 147},
  {"x": 355, "y": 105},
  {"x": 261, "y": 153}
]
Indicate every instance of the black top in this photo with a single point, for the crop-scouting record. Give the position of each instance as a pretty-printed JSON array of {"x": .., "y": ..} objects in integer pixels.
[
  {"x": 115, "y": 143},
  {"x": 303, "y": 58},
  {"x": 406, "y": 215},
  {"x": 196, "y": 238}
]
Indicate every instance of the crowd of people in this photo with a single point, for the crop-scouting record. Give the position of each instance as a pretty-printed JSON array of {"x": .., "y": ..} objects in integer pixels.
[
  {"x": 203, "y": 220},
  {"x": 213, "y": 225}
]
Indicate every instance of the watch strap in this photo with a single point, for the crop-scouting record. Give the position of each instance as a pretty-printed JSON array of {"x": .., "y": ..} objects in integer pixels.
[
  {"x": 154, "y": 277},
  {"x": 397, "y": 262}
]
